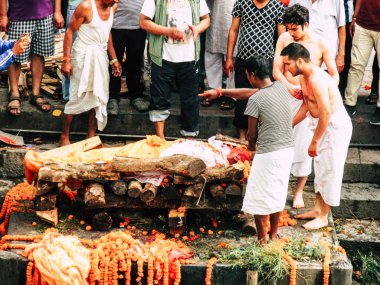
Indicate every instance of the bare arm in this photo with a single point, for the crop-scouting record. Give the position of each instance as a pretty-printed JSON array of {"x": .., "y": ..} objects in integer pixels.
[
  {"x": 301, "y": 114},
  {"x": 78, "y": 18},
  {"x": 201, "y": 27},
  {"x": 148, "y": 25},
  {"x": 329, "y": 60},
  {"x": 321, "y": 95},
  {"x": 3, "y": 15},
  {"x": 280, "y": 29},
  {"x": 279, "y": 69},
  {"x": 238, "y": 93},
  {"x": 252, "y": 133},
  {"x": 59, "y": 22},
  {"x": 231, "y": 42},
  {"x": 116, "y": 66},
  {"x": 339, "y": 60}
]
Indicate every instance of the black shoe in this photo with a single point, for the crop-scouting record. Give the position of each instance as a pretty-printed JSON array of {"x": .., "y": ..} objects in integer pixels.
[
  {"x": 375, "y": 120},
  {"x": 351, "y": 110}
]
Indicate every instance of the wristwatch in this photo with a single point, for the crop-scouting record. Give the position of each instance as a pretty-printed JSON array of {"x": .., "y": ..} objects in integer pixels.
[{"x": 112, "y": 61}]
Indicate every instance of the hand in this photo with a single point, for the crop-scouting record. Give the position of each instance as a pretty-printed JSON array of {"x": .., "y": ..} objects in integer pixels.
[
  {"x": 352, "y": 28},
  {"x": 21, "y": 45},
  {"x": 339, "y": 60},
  {"x": 67, "y": 69},
  {"x": 58, "y": 20},
  {"x": 228, "y": 66},
  {"x": 175, "y": 34},
  {"x": 195, "y": 31},
  {"x": 4, "y": 23},
  {"x": 296, "y": 92},
  {"x": 209, "y": 95},
  {"x": 313, "y": 148},
  {"x": 116, "y": 69}
]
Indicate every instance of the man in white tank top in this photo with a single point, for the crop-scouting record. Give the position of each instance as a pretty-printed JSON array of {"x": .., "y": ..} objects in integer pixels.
[{"x": 86, "y": 63}]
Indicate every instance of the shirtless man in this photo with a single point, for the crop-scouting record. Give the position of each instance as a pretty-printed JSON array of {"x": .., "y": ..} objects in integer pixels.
[
  {"x": 332, "y": 130},
  {"x": 296, "y": 20}
]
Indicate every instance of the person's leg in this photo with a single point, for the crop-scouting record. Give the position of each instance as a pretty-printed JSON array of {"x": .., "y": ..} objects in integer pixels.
[
  {"x": 135, "y": 45},
  {"x": 162, "y": 78},
  {"x": 65, "y": 135},
  {"x": 92, "y": 124},
  {"x": 14, "y": 73},
  {"x": 375, "y": 80},
  {"x": 188, "y": 90},
  {"x": 214, "y": 69},
  {"x": 261, "y": 221},
  {"x": 321, "y": 219},
  {"x": 375, "y": 119},
  {"x": 298, "y": 194},
  {"x": 274, "y": 220},
  {"x": 347, "y": 62},
  {"x": 119, "y": 42},
  {"x": 240, "y": 120},
  {"x": 362, "y": 45}
]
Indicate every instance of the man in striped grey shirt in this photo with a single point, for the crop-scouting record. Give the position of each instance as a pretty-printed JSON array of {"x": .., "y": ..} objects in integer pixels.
[{"x": 270, "y": 137}]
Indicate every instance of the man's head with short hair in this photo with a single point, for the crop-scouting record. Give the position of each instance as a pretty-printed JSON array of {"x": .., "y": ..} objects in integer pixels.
[
  {"x": 259, "y": 66},
  {"x": 296, "y": 19},
  {"x": 294, "y": 56}
]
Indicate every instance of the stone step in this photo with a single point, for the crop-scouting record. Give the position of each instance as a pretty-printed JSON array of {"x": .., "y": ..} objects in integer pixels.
[{"x": 130, "y": 123}]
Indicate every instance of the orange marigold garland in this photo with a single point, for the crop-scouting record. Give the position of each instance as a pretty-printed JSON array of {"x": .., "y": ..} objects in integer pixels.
[
  {"x": 209, "y": 266},
  {"x": 326, "y": 263},
  {"x": 293, "y": 269},
  {"x": 12, "y": 203}
]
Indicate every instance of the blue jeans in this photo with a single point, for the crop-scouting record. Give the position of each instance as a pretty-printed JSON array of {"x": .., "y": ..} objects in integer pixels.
[{"x": 66, "y": 81}]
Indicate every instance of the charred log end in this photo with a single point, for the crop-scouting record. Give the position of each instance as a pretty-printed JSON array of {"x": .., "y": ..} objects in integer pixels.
[
  {"x": 45, "y": 203},
  {"x": 234, "y": 189},
  {"x": 249, "y": 227},
  {"x": 195, "y": 168},
  {"x": 119, "y": 187},
  {"x": 134, "y": 189},
  {"x": 217, "y": 193},
  {"x": 149, "y": 193},
  {"x": 101, "y": 221}
]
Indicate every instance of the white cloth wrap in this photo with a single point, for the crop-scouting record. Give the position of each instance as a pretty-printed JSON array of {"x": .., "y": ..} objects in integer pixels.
[
  {"x": 331, "y": 156},
  {"x": 268, "y": 181},
  {"x": 89, "y": 83},
  {"x": 302, "y": 137}
]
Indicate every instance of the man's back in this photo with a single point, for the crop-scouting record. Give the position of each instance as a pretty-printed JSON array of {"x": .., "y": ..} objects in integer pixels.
[{"x": 271, "y": 105}]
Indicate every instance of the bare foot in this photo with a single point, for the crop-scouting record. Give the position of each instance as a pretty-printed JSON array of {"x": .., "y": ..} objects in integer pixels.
[
  {"x": 308, "y": 215},
  {"x": 64, "y": 140},
  {"x": 317, "y": 223},
  {"x": 298, "y": 201}
]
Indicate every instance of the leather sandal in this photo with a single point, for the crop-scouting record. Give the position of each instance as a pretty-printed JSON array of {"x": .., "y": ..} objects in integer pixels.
[
  {"x": 33, "y": 100},
  {"x": 372, "y": 98},
  {"x": 227, "y": 104},
  {"x": 11, "y": 108}
]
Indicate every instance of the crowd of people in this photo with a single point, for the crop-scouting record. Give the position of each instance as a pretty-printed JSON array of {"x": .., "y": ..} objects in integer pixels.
[{"x": 287, "y": 64}]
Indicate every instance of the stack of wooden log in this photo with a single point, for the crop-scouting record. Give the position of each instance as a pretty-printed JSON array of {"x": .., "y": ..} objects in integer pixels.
[{"x": 115, "y": 184}]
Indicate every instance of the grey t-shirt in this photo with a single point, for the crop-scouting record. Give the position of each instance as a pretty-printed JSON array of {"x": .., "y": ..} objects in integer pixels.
[
  {"x": 271, "y": 106},
  {"x": 127, "y": 14}
]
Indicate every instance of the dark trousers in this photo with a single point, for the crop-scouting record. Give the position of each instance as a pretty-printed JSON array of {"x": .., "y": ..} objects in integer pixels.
[
  {"x": 241, "y": 81},
  {"x": 133, "y": 43},
  {"x": 185, "y": 74},
  {"x": 375, "y": 79}
]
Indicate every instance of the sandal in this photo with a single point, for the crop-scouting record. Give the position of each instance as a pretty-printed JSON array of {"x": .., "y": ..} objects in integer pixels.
[
  {"x": 227, "y": 104},
  {"x": 372, "y": 98},
  {"x": 206, "y": 103},
  {"x": 11, "y": 107},
  {"x": 33, "y": 100}
]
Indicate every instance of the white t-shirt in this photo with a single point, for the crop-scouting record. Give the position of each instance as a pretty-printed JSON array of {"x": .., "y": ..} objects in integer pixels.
[{"x": 179, "y": 16}]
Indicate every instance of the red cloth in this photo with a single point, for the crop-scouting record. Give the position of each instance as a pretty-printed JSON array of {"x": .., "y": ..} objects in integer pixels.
[{"x": 239, "y": 153}]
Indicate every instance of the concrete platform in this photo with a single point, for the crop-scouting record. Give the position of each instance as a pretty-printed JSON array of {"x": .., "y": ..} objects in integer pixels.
[{"x": 130, "y": 123}]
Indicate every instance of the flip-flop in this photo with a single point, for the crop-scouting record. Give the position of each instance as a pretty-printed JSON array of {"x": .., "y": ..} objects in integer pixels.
[
  {"x": 140, "y": 104},
  {"x": 206, "y": 103}
]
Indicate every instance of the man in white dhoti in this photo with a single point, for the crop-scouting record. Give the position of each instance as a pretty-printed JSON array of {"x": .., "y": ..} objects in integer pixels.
[
  {"x": 332, "y": 131},
  {"x": 296, "y": 20},
  {"x": 88, "y": 65},
  {"x": 270, "y": 128}
]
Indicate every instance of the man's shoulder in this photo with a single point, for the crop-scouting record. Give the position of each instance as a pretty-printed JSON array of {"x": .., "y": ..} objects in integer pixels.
[{"x": 285, "y": 39}]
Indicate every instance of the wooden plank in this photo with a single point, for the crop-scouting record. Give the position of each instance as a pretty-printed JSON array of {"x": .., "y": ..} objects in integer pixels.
[{"x": 252, "y": 277}]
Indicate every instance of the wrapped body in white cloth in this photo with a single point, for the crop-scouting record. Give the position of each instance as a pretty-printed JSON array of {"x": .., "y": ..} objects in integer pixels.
[
  {"x": 329, "y": 164},
  {"x": 89, "y": 82}
]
